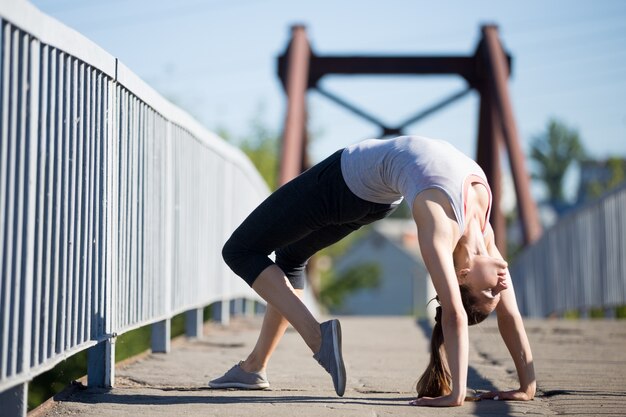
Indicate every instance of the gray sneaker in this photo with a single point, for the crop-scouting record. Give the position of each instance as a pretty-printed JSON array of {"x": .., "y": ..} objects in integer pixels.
[
  {"x": 329, "y": 355},
  {"x": 240, "y": 379}
]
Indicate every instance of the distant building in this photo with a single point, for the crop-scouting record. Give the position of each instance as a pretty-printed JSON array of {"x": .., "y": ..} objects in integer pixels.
[{"x": 405, "y": 286}]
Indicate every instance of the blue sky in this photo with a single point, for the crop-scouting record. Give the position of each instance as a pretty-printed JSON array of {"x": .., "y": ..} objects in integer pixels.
[{"x": 217, "y": 59}]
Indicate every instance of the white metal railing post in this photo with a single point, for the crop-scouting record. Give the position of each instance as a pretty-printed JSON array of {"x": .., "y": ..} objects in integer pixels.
[
  {"x": 221, "y": 309},
  {"x": 101, "y": 357},
  {"x": 101, "y": 363},
  {"x": 249, "y": 307},
  {"x": 161, "y": 335},
  {"x": 221, "y": 312},
  {"x": 161, "y": 331},
  {"x": 14, "y": 401},
  {"x": 194, "y": 320}
]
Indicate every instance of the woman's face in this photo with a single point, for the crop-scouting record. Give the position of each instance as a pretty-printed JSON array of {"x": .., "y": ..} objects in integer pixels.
[{"x": 487, "y": 277}]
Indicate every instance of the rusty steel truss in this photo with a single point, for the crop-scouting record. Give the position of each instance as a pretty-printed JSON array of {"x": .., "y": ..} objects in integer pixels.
[{"x": 486, "y": 72}]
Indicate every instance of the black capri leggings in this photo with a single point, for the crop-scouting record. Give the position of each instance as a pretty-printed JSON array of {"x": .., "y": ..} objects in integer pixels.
[{"x": 311, "y": 212}]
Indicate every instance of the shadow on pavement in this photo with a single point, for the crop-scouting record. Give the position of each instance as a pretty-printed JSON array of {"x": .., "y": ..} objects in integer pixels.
[{"x": 98, "y": 396}]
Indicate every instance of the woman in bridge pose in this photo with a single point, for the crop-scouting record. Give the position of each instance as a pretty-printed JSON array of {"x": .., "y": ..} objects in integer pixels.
[{"x": 450, "y": 201}]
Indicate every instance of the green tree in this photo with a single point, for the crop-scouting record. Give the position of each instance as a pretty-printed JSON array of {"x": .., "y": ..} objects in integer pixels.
[
  {"x": 552, "y": 152},
  {"x": 335, "y": 290}
]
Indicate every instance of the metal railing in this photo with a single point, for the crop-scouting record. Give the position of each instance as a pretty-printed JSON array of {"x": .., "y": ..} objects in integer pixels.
[
  {"x": 578, "y": 264},
  {"x": 114, "y": 205}
]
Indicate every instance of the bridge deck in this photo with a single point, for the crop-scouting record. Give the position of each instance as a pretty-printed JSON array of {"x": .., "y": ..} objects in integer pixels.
[{"x": 581, "y": 369}]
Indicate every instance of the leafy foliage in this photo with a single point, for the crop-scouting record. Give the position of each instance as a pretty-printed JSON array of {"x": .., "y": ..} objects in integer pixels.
[
  {"x": 552, "y": 152},
  {"x": 336, "y": 289},
  {"x": 616, "y": 175}
]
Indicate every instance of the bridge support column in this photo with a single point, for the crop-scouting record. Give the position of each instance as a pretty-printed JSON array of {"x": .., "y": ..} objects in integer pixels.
[
  {"x": 161, "y": 335},
  {"x": 488, "y": 157},
  {"x": 101, "y": 364},
  {"x": 194, "y": 320},
  {"x": 293, "y": 151},
  {"x": 497, "y": 70}
]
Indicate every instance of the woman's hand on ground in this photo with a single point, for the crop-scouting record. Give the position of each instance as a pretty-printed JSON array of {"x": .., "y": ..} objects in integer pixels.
[
  {"x": 443, "y": 401},
  {"x": 513, "y": 395}
]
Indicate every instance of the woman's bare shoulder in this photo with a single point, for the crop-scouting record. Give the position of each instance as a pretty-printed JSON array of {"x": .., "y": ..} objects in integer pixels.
[
  {"x": 432, "y": 201},
  {"x": 434, "y": 216}
]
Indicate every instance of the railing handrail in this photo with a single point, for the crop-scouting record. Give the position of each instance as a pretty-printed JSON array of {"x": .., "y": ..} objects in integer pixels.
[
  {"x": 116, "y": 206},
  {"x": 579, "y": 263}
]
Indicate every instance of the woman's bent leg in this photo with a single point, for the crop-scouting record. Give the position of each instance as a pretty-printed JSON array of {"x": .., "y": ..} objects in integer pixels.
[
  {"x": 273, "y": 287},
  {"x": 272, "y": 330}
]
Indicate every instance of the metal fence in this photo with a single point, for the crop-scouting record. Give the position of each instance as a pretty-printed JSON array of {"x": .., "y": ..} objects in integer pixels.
[
  {"x": 114, "y": 204},
  {"x": 578, "y": 264}
]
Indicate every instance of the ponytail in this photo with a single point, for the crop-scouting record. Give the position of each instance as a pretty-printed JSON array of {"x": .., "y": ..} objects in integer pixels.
[{"x": 436, "y": 379}]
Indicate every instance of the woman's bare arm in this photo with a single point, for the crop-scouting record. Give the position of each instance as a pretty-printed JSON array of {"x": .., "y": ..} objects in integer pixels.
[
  {"x": 512, "y": 330},
  {"x": 437, "y": 233}
]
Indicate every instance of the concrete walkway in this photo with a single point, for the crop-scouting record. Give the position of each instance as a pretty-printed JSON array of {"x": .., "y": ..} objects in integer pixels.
[{"x": 581, "y": 367}]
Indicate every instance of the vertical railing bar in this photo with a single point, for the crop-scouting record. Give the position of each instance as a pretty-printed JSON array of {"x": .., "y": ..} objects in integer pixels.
[
  {"x": 130, "y": 205},
  {"x": 71, "y": 201},
  {"x": 141, "y": 222},
  {"x": 127, "y": 193},
  {"x": 83, "y": 221},
  {"x": 123, "y": 214},
  {"x": 77, "y": 189},
  {"x": 98, "y": 202},
  {"x": 75, "y": 202},
  {"x": 13, "y": 201},
  {"x": 3, "y": 295},
  {"x": 182, "y": 219},
  {"x": 64, "y": 195},
  {"x": 120, "y": 298},
  {"x": 172, "y": 251},
  {"x": 136, "y": 208},
  {"x": 161, "y": 186},
  {"x": 41, "y": 280},
  {"x": 21, "y": 248},
  {"x": 153, "y": 242},
  {"x": 158, "y": 186},
  {"x": 139, "y": 205},
  {"x": 30, "y": 119},
  {"x": 5, "y": 159},
  {"x": 128, "y": 210},
  {"x": 149, "y": 197},
  {"x": 132, "y": 197},
  {"x": 55, "y": 196},
  {"x": 110, "y": 178},
  {"x": 145, "y": 204},
  {"x": 90, "y": 278}
]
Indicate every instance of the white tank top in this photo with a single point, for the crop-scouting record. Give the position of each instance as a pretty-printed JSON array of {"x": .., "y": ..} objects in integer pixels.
[{"x": 385, "y": 171}]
